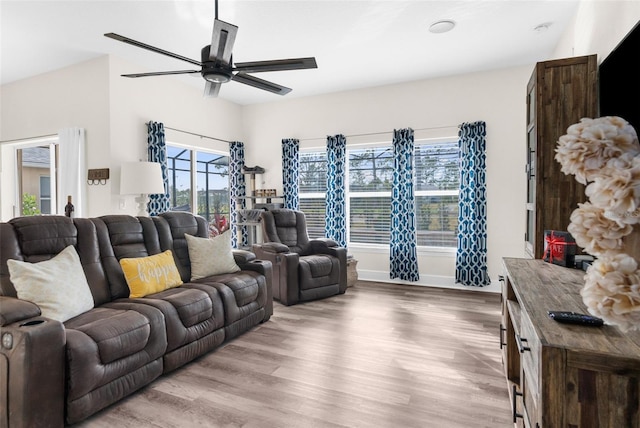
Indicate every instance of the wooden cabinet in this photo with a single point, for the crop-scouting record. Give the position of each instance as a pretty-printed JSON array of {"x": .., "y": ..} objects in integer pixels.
[
  {"x": 562, "y": 375},
  {"x": 559, "y": 94}
]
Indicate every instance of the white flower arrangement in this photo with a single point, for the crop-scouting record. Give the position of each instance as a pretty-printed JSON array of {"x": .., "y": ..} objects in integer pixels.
[{"x": 604, "y": 154}]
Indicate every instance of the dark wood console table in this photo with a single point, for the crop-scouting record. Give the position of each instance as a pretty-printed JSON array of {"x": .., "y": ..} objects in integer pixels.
[{"x": 562, "y": 375}]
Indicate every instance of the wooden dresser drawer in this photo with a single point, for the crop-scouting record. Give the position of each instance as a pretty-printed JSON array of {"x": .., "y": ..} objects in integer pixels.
[
  {"x": 530, "y": 350},
  {"x": 529, "y": 345}
]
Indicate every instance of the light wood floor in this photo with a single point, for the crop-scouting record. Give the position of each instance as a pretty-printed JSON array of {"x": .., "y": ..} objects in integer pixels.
[{"x": 381, "y": 355}]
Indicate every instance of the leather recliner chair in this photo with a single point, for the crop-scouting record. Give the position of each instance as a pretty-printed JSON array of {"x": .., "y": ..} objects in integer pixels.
[{"x": 303, "y": 269}]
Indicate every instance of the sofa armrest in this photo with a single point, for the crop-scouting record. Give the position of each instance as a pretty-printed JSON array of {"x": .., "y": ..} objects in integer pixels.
[
  {"x": 241, "y": 256},
  {"x": 32, "y": 369},
  {"x": 285, "y": 271},
  {"x": 325, "y": 242},
  {"x": 326, "y": 246},
  {"x": 272, "y": 247},
  {"x": 13, "y": 310},
  {"x": 265, "y": 268}
]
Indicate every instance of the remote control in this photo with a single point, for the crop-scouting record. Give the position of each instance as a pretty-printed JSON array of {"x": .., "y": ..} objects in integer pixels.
[{"x": 576, "y": 318}]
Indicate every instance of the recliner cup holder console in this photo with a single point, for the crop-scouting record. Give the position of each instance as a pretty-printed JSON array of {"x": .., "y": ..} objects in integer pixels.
[{"x": 32, "y": 323}]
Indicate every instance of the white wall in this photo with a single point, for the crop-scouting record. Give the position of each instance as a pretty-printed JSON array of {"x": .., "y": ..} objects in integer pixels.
[
  {"x": 113, "y": 110},
  {"x": 597, "y": 28},
  {"x": 134, "y": 102},
  {"x": 432, "y": 107},
  {"x": 496, "y": 97},
  {"x": 42, "y": 105}
]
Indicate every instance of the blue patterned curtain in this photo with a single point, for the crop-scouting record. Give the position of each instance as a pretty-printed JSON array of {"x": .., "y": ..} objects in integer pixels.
[
  {"x": 237, "y": 189},
  {"x": 290, "y": 171},
  {"x": 335, "y": 216},
  {"x": 471, "y": 256},
  {"x": 157, "y": 152},
  {"x": 403, "y": 240}
]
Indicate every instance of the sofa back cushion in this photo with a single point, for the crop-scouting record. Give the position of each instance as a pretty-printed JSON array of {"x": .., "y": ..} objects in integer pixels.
[
  {"x": 43, "y": 237},
  {"x": 288, "y": 227},
  {"x": 39, "y": 238},
  {"x": 32, "y": 239},
  {"x": 171, "y": 227},
  {"x": 124, "y": 236}
]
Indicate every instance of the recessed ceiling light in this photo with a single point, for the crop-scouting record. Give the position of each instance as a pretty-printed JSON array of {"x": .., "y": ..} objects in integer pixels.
[{"x": 442, "y": 26}]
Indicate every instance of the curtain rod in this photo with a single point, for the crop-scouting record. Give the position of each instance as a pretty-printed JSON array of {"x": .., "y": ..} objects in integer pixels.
[
  {"x": 382, "y": 133},
  {"x": 29, "y": 138},
  {"x": 194, "y": 134}
]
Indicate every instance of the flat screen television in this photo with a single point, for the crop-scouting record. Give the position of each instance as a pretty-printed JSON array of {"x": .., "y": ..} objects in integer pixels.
[{"x": 619, "y": 80}]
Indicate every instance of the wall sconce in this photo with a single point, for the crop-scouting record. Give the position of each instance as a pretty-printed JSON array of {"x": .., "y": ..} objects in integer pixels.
[{"x": 142, "y": 179}]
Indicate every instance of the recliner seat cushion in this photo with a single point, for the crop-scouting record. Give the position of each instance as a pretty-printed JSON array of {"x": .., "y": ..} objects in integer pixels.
[
  {"x": 319, "y": 264},
  {"x": 122, "y": 334},
  {"x": 318, "y": 270},
  {"x": 244, "y": 297},
  {"x": 192, "y": 306},
  {"x": 105, "y": 344},
  {"x": 190, "y": 313}
]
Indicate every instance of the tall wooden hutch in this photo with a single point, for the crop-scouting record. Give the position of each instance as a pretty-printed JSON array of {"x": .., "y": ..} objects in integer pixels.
[{"x": 559, "y": 94}]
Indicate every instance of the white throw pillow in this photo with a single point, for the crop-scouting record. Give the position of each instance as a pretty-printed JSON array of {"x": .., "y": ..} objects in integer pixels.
[
  {"x": 211, "y": 256},
  {"x": 58, "y": 286}
]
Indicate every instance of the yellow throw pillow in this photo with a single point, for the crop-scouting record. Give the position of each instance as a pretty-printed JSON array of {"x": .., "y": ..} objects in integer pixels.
[{"x": 152, "y": 274}]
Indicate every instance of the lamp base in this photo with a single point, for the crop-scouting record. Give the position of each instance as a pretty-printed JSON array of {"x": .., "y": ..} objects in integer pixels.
[{"x": 142, "y": 201}]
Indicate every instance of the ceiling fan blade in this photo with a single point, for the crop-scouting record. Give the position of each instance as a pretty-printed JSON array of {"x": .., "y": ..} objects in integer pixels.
[
  {"x": 151, "y": 48},
  {"x": 276, "y": 65},
  {"x": 160, "y": 73},
  {"x": 222, "y": 40},
  {"x": 261, "y": 84},
  {"x": 212, "y": 89}
]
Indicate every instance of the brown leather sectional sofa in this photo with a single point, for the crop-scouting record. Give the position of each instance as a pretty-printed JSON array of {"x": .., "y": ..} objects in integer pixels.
[{"x": 52, "y": 372}]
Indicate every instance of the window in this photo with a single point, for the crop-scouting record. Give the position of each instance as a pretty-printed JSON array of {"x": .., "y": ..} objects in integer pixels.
[
  {"x": 36, "y": 165},
  {"x": 370, "y": 177},
  {"x": 212, "y": 186},
  {"x": 208, "y": 173},
  {"x": 45, "y": 194},
  {"x": 437, "y": 187},
  {"x": 179, "y": 172},
  {"x": 312, "y": 180}
]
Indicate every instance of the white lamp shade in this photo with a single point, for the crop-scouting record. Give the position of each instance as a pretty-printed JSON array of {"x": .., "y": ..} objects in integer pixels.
[{"x": 138, "y": 178}]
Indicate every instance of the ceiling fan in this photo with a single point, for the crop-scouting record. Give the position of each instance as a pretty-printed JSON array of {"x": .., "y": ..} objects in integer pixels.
[{"x": 216, "y": 64}]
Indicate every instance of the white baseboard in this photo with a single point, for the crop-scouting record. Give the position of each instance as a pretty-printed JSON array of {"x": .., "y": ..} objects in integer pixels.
[{"x": 427, "y": 281}]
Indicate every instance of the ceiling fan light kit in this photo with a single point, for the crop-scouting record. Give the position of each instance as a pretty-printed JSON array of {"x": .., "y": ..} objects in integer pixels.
[{"x": 216, "y": 65}]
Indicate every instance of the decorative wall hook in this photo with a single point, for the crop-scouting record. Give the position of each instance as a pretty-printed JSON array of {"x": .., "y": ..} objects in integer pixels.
[{"x": 97, "y": 176}]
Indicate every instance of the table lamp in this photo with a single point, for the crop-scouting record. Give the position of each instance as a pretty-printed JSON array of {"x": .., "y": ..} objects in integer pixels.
[{"x": 142, "y": 179}]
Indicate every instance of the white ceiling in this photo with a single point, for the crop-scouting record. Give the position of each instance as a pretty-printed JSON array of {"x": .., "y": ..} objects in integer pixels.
[{"x": 357, "y": 44}]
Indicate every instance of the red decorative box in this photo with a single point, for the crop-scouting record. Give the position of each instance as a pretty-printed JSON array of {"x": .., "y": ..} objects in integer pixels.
[{"x": 559, "y": 248}]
